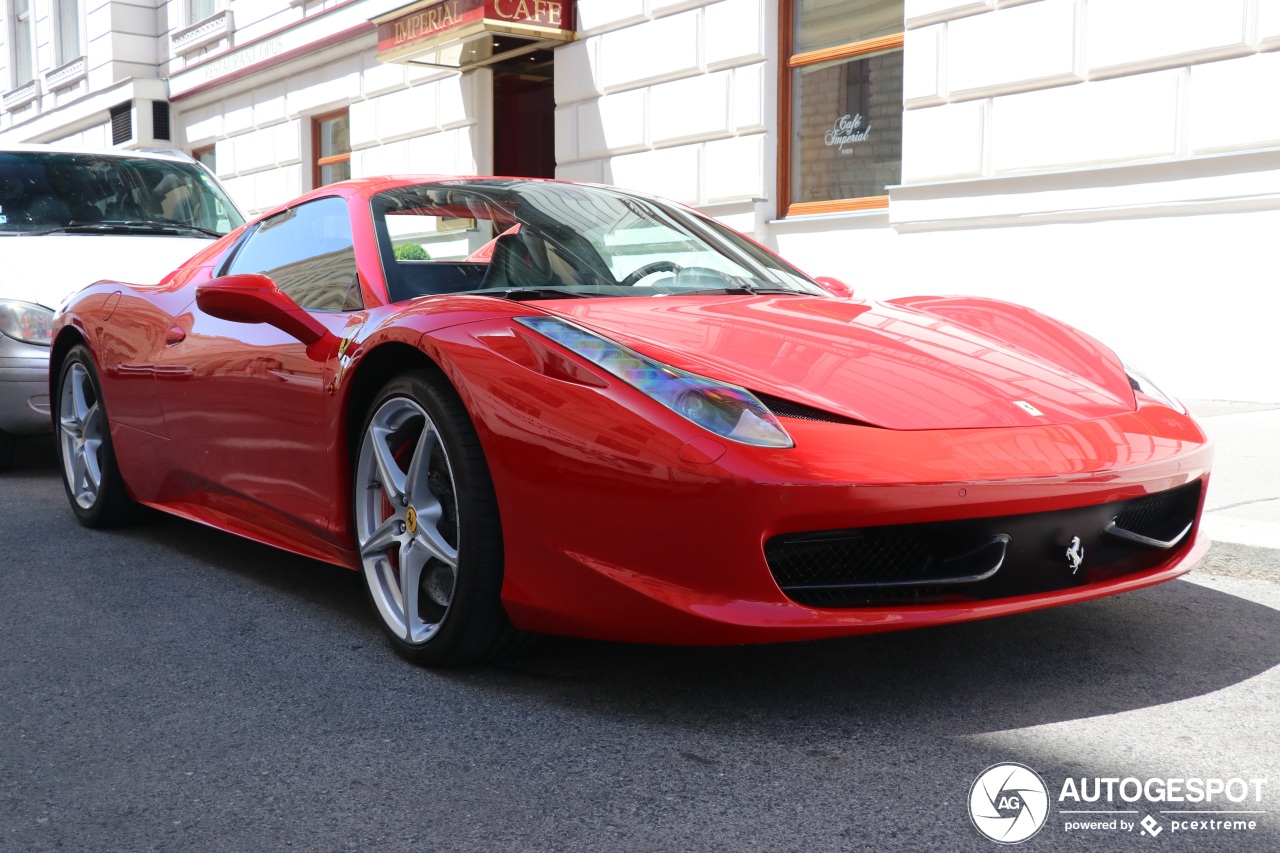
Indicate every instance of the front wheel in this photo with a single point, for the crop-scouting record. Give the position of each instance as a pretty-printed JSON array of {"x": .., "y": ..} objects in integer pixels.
[
  {"x": 427, "y": 526},
  {"x": 89, "y": 472}
]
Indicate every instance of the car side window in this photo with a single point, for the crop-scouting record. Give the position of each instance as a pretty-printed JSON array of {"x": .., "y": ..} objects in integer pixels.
[{"x": 309, "y": 253}]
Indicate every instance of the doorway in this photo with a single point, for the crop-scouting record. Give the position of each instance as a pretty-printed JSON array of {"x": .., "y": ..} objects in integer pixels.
[{"x": 524, "y": 116}]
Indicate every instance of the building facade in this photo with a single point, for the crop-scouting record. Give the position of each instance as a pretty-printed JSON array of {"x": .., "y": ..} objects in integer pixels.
[{"x": 1114, "y": 163}]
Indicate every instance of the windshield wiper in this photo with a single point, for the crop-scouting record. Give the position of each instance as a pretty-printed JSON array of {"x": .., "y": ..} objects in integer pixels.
[
  {"x": 521, "y": 294},
  {"x": 126, "y": 226},
  {"x": 184, "y": 226},
  {"x": 739, "y": 289}
]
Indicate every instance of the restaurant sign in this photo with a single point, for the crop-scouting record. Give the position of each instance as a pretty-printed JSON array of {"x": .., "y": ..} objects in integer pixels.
[{"x": 424, "y": 25}]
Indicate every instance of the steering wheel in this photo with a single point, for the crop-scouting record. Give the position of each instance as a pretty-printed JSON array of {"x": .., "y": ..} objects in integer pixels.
[{"x": 649, "y": 269}]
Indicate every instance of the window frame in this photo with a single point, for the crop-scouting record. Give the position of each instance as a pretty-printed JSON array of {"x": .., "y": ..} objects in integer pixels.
[
  {"x": 63, "y": 55},
  {"x": 190, "y": 10},
  {"x": 21, "y": 73},
  {"x": 318, "y": 162},
  {"x": 788, "y": 64}
]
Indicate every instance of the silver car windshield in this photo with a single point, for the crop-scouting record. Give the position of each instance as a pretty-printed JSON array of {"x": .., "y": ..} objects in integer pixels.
[
  {"x": 47, "y": 192},
  {"x": 540, "y": 239}
]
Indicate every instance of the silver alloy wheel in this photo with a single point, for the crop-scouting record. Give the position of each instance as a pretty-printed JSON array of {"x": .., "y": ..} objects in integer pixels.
[
  {"x": 406, "y": 514},
  {"x": 80, "y": 433}
]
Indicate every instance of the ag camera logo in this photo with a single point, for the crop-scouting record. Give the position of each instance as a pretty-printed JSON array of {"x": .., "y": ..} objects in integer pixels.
[{"x": 1008, "y": 803}]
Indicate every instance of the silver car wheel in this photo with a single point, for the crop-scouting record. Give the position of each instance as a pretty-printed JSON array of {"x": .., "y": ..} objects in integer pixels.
[
  {"x": 80, "y": 433},
  {"x": 406, "y": 514}
]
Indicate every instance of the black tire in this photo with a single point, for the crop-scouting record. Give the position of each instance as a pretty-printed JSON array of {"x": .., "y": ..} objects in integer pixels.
[
  {"x": 84, "y": 440},
  {"x": 444, "y": 514},
  {"x": 8, "y": 444}
]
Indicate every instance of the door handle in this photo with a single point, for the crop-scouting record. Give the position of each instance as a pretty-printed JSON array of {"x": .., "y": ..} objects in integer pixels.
[{"x": 175, "y": 335}]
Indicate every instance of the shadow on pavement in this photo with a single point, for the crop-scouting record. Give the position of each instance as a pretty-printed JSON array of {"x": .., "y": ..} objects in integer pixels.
[{"x": 1146, "y": 648}]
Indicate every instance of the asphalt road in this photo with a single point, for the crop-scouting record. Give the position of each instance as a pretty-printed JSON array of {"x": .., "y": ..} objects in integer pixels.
[{"x": 172, "y": 688}]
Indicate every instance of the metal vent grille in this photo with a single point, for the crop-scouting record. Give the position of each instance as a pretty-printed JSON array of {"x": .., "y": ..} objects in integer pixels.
[
  {"x": 160, "y": 120},
  {"x": 851, "y": 561},
  {"x": 789, "y": 409},
  {"x": 1162, "y": 515},
  {"x": 121, "y": 123}
]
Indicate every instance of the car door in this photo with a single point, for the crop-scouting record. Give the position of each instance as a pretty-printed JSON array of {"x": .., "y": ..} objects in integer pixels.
[{"x": 247, "y": 410}]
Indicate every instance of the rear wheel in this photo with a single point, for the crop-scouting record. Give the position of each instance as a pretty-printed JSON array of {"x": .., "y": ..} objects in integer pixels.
[
  {"x": 89, "y": 473},
  {"x": 8, "y": 444},
  {"x": 427, "y": 526}
]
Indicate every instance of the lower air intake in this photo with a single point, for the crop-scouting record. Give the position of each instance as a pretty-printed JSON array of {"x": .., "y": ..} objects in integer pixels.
[{"x": 917, "y": 563}]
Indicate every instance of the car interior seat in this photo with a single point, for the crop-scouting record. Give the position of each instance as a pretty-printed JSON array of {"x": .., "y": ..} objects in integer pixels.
[{"x": 516, "y": 263}]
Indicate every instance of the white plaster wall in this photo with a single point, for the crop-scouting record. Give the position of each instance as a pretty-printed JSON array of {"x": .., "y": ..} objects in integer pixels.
[
  {"x": 98, "y": 136},
  {"x": 122, "y": 41},
  {"x": 667, "y": 97},
  {"x": 1057, "y": 84},
  {"x": 1223, "y": 112},
  {"x": 1133, "y": 36}
]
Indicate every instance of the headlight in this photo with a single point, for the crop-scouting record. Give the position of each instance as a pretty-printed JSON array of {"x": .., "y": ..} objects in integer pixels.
[
  {"x": 1139, "y": 382},
  {"x": 31, "y": 324},
  {"x": 726, "y": 410}
]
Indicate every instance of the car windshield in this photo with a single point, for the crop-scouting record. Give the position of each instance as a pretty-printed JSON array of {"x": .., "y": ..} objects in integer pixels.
[
  {"x": 48, "y": 192},
  {"x": 540, "y": 239}
]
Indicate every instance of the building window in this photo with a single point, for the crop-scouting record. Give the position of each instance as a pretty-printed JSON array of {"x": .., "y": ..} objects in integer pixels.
[
  {"x": 840, "y": 104},
  {"x": 331, "y": 140},
  {"x": 198, "y": 10},
  {"x": 207, "y": 157},
  {"x": 20, "y": 29},
  {"x": 68, "y": 22}
]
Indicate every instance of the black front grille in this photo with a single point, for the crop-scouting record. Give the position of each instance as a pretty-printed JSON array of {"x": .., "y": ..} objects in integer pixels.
[
  {"x": 851, "y": 560},
  {"x": 1160, "y": 516},
  {"x": 917, "y": 562}
]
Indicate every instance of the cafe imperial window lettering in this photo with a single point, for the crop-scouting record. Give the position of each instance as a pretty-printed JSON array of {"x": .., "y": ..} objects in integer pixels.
[{"x": 840, "y": 105}]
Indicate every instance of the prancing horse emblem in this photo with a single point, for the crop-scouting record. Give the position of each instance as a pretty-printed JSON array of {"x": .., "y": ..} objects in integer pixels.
[{"x": 1075, "y": 554}]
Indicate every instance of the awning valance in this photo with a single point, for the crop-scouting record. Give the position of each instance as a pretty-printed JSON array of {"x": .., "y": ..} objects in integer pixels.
[{"x": 461, "y": 33}]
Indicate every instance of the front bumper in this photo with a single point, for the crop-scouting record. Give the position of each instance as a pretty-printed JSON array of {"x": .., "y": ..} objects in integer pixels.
[
  {"x": 683, "y": 558},
  {"x": 24, "y": 388}
]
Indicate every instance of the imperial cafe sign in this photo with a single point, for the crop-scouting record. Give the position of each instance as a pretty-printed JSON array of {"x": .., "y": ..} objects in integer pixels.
[{"x": 426, "y": 24}]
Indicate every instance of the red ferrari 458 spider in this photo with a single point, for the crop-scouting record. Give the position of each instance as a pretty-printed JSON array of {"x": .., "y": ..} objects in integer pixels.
[{"x": 533, "y": 406}]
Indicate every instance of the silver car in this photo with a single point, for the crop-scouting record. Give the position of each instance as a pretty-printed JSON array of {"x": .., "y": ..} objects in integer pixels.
[{"x": 71, "y": 217}]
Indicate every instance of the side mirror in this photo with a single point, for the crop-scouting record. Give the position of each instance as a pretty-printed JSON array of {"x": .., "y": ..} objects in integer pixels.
[
  {"x": 254, "y": 298},
  {"x": 835, "y": 286}
]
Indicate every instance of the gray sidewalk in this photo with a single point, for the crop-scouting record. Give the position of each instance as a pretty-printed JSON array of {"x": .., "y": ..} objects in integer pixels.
[{"x": 1243, "y": 505}]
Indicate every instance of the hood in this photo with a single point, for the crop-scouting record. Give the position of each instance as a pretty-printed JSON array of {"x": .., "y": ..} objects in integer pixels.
[
  {"x": 892, "y": 366},
  {"x": 46, "y": 269}
]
